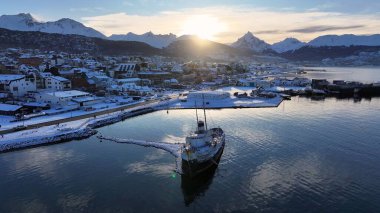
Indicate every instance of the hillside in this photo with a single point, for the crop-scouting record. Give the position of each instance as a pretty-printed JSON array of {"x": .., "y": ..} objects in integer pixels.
[{"x": 72, "y": 43}]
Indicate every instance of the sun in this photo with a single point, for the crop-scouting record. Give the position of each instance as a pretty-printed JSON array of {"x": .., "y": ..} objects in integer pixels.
[{"x": 203, "y": 26}]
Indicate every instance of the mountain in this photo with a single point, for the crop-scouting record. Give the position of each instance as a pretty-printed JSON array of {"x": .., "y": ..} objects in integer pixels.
[
  {"x": 249, "y": 41},
  {"x": 287, "y": 45},
  {"x": 158, "y": 41},
  {"x": 72, "y": 43},
  {"x": 193, "y": 46},
  {"x": 26, "y": 22},
  {"x": 317, "y": 54},
  {"x": 346, "y": 40},
  {"x": 335, "y": 47}
]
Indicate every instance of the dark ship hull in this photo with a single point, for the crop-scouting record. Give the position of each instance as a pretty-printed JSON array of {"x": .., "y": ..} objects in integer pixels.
[{"x": 194, "y": 168}]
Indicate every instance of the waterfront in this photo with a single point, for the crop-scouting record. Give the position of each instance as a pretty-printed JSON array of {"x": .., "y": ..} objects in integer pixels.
[
  {"x": 302, "y": 156},
  {"x": 361, "y": 74}
]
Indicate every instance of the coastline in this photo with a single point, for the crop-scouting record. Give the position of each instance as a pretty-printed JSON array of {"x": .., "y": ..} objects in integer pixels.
[{"x": 80, "y": 127}]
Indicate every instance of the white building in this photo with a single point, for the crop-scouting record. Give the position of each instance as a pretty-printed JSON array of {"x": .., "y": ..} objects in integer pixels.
[
  {"x": 57, "y": 83},
  {"x": 61, "y": 98},
  {"x": 208, "y": 95},
  {"x": 17, "y": 85}
]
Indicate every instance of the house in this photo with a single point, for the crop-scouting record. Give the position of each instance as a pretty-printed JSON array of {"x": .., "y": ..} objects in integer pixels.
[
  {"x": 100, "y": 79},
  {"x": 17, "y": 85},
  {"x": 265, "y": 83},
  {"x": 26, "y": 69},
  {"x": 127, "y": 70},
  {"x": 57, "y": 83},
  {"x": 8, "y": 109}
]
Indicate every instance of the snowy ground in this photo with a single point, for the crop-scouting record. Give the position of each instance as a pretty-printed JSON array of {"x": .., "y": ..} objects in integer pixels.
[
  {"x": 5, "y": 121},
  {"x": 44, "y": 131},
  {"x": 232, "y": 102},
  {"x": 65, "y": 131},
  {"x": 53, "y": 133}
]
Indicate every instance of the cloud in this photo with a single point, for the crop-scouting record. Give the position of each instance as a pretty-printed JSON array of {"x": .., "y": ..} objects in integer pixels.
[
  {"x": 268, "y": 32},
  {"x": 271, "y": 25},
  {"x": 325, "y": 28},
  {"x": 87, "y": 9}
]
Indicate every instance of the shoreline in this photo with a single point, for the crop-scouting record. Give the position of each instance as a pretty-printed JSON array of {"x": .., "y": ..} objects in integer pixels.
[
  {"x": 79, "y": 117},
  {"x": 80, "y": 127}
]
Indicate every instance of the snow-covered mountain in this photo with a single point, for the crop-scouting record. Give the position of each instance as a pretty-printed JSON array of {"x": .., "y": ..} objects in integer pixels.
[
  {"x": 158, "y": 41},
  {"x": 287, "y": 44},
  {"x": 26, "y": 22},
  {"x": 249, "y": 41},
  {"x": 346, "y": 40}
]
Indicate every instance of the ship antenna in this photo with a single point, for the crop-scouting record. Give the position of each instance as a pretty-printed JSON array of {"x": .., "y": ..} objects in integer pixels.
[{"x": 204, "y": 110}]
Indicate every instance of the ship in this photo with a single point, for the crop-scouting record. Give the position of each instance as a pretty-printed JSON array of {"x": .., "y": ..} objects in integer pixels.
[{"x": 203, "y": 148}]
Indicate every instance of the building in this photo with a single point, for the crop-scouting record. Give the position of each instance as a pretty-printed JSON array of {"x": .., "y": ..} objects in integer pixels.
[
  {"x": 17, "y": 85},
  {"x": 61, "y": 98},
  {"x": 57, "y": 83},
  {"x": 208, "y": 95},
  {"x": 264, "y": 83},
  {"x": 319, "y": 83},
  {"x": 87, "y": 100},
  {"x": 127, "y": 70},
  {"x": 31, "y": 61},
  {"x": 155, "y": 77},
  {"x": 8, "y": 109}
]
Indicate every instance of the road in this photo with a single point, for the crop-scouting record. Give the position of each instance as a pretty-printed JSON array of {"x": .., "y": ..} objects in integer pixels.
[{"x": 89, "y": 115}]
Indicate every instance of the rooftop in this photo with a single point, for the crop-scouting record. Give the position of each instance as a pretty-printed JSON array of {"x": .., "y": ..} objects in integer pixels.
[
  {"x": 9, "y": 107},
  {"x": 67, "y": 94},
  {"x": 11, "y": 77}
]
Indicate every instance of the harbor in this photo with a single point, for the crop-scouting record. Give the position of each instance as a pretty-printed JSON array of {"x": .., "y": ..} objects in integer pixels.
[
  {"x": 263, "y": 145},
  {"x": 31, "y": 135}
]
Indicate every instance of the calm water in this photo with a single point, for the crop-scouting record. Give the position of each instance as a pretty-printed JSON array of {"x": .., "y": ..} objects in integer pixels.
[
  {"x": 363, "y": 74},
  {"x": 304, "y": 156}
]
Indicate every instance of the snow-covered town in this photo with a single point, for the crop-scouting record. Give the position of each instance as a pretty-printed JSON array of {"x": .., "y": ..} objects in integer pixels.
[
  {"x": 61, "y": 91},
  {"x": 189, "y": 106}
]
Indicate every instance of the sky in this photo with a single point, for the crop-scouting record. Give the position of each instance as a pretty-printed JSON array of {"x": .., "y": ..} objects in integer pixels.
[{"x": 219, "y": 20}]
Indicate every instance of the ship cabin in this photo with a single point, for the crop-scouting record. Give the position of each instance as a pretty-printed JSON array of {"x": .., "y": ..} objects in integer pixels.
[{"x": 200, "y": 138}]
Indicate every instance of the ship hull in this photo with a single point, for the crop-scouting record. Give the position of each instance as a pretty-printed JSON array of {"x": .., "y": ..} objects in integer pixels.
[{"x": 194, "y": 168}]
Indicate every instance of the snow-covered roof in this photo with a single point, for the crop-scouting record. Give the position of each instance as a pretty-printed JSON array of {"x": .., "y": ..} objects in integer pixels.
[
  {"x": 59, "y": 78},
  {"x": 85, "y": 99},
  {"x": 35, "y": 104},
  {"x": 68, "y": 94},
  {"x": 45, "y": 74},
  {"x": 128, "y": 80},
  {"x": 154, "y": 73},
  {"x": 9, "y": 107},
  {"x": 8, "y": 78}
]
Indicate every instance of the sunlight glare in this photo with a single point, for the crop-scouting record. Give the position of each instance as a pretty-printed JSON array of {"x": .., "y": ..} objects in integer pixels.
[{"x": 203, "y": 26}]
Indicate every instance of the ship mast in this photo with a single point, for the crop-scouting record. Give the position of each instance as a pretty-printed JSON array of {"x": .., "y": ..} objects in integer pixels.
[
  {"x": 204, "y": 110},
  {"x": 196, "y": 110}
]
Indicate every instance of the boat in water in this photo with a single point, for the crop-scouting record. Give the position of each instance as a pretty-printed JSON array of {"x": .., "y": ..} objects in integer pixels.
[{"x": 203, "y": 148}]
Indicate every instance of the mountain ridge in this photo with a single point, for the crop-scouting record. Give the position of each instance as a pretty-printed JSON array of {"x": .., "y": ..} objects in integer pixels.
[
  {"x": 66, "y": 26},
  {"x": 155, "y": 40}
]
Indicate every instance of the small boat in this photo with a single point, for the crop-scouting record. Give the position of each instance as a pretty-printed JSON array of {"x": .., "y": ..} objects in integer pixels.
[
  {"x": 203, "y": 148},
  {"x": 285, "y": 96}
]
